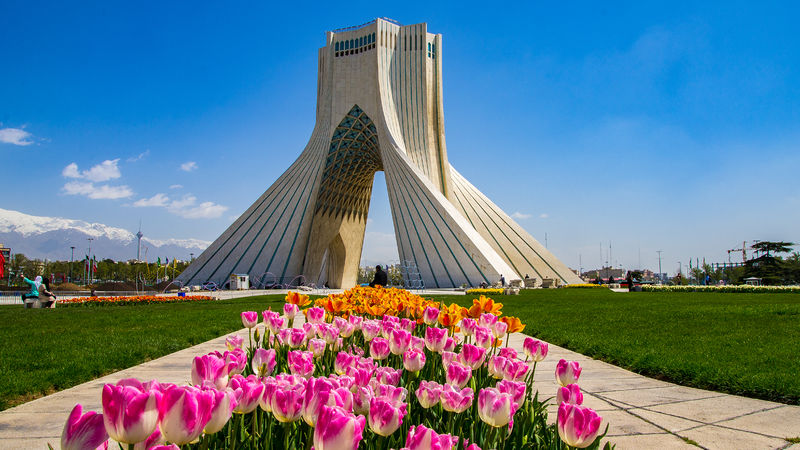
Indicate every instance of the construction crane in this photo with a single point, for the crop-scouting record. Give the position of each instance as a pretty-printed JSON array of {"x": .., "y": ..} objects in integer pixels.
[{"x": 743, "y": 250}]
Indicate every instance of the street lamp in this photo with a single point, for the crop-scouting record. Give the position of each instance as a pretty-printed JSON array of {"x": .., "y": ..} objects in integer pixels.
[{"x": 71, "y": 257}]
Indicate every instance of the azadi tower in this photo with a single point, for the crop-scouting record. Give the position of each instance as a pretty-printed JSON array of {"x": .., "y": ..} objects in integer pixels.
[{"x": 379, "y": 107}]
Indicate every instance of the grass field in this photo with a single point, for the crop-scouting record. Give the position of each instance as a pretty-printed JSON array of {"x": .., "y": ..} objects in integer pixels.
[
  {"x": 745, "y": 344},
  {"x": 45, "y": 350}
]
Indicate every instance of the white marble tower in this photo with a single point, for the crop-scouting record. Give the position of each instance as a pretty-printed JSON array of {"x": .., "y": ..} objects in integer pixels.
[{"x": 379, "y": 107}]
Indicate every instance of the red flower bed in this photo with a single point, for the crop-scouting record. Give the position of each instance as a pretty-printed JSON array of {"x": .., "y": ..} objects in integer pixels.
[{"x": 130, "y": 300}]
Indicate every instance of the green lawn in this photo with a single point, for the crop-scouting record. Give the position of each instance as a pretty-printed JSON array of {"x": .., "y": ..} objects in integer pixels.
[
  {"x": 45, "y": 350},
  {"x": 747, "y": 344}
]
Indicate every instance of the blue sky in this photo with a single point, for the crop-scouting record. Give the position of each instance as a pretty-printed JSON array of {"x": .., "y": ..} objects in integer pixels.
[{"x": 667, "y": 126}]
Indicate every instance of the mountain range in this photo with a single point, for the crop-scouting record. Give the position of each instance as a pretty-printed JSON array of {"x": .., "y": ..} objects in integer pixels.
[{"x": 39, "y": 237}]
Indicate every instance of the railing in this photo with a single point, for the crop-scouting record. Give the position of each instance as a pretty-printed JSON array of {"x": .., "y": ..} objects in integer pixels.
[{"x": 356, "y": 27}]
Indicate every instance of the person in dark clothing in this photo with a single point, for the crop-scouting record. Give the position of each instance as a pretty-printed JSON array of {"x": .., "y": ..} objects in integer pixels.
[
  {"x": 380, "y": 277},
  {"x": 629, "y": 280},
  {"x": 45, "y": 296}
]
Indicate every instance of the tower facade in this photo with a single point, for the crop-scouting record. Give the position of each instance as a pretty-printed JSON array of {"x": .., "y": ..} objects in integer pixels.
[{"x": 379, "y": 107}]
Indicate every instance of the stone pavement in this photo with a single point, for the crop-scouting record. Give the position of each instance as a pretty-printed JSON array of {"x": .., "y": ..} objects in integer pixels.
[{"x": 642, "y": 413}]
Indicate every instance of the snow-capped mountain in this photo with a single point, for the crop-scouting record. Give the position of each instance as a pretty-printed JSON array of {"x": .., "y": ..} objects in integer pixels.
[{"x": 51, "y": 237}]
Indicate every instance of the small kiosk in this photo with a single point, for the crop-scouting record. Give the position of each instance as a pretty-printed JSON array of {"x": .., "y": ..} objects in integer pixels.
[{"x": 240, "y": 281}]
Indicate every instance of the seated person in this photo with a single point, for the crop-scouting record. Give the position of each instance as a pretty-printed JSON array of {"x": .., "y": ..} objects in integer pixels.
[
  {"x": 380, "y": 277},
  {"x": 48, "y": 299},
  {"x": 34, "y": 293}
]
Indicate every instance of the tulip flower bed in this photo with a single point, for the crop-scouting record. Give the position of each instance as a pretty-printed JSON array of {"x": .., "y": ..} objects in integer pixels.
[
  {"x": 129, "y": 300},
  {"x": 741, "y": 288},
  {"x": 347, "y": 381},
  {"x": 485, "y": 291}
]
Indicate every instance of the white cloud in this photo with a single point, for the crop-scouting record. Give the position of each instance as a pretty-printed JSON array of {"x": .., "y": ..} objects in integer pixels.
[
  {"x": 519, "y": 215},
  {"x": 71, "y": 171},
  {"x": 156, "y": 200},
  {"x": 189, "y": 166},
  {"x": 139, "y": 157},
  {"x": 88, "y": 189},
  {"x": 15, "y": 136},
  {"x": 106, "y": 170},
  {"x": 176, "y": 186},
  {"x": 188, "y": 208},
  {"x": 544, "y": 216}
]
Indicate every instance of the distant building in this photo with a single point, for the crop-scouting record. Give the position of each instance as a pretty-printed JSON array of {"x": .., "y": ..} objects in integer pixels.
[{"x": 604, "y": 273}]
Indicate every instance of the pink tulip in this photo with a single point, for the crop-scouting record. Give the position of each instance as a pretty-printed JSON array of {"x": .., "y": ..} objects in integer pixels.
[
  {"x": 155, "y": 440},
  {"x": 496, "y": 408},
  {"x": 290, "y": 310},
  {"x": 399, "y": 341},
  {"x": 447, "y": 358},
  {"x": 468, "y": 326},
  {"x": 328, "y": 332},
  {"x": 317, "y": 347},
  {"x": 472, "y": 446},
  {"x": 578, "y": 426},
  {"x": 515, "y": 370},
  {"x": 210, "y": 368},
  {"x": 393, "y": 320},
  {"x": 385, "y": 417},
  {"x": 263, "y": 362},
  {"x": 249, "y": 319},
  {"x": 165, "y": 447},
  {"x": 83, "y": 431},
  {"x": 338, "y": 429},
  {"x": 456, "y": 400},
  {"x": 396, "y": 395},
  {"x": 361, "y": 399},
  {"x": 570, "y": 393},
  {"x": 347, "y": 330},
  {"x": 315, "y": 315},
  {"x": 184, "y": 412},
  {"x": 450, "y": 344},
  {"x": 417, "y": 343},
  {"x": 360, "y": 376},
  {"x": 236, "y": 361},
  {"x": 248, "y": 392},
  {"x": 484, "y": 337},
  {"x": 413, "y": 360},
  {"x": 129, "y": 414},
  {"x": 273, "y": 321},
  {"x": 370, "y": 329},
  {"x": 567, "y": 372},
  {"x": 535, "y": 349},
  {"x": 224, "y": 402},
  {"x": 435, "y": 339},
  {"x": 365, "y": 363},
  {"x": 233, "y": 342},
  {"x": 387, "y": 375},
  {"x": 379, "y": 348},
  {"x": 472, "y": 356},
  {"x": 342, "y": 362},
  {"x": 497, "y": 366},
  {"x": 499, "y": 329},
  {"x": 296, "y": 338},
  {"x": 429, "y": 393},
  {"x": 147, "y": 386},
  {"x": 421, "y": 437},
  {"x": 431, "y": 315},
  {"x": 356, "y": 321},
  {"x": 508, "y": 352},
  {"x": 301, "y": 363},
  {"x": 487, "y": 320},
  {"x": 458, "y": 374},
  {"x": 323, "y": 392},
  {"x": 310, "y": 329},
  {"x": 286, "y": 403},
  {"x": 515, "y": 388},
  {"x": 408, "y": 324}
]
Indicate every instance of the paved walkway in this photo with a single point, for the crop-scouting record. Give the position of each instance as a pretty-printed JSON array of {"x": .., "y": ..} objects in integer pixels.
[{"x": 642, "y": 413}]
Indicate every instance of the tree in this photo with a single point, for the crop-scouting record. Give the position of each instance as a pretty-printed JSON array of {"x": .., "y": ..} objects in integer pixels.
[{"x": 774, "y": 247}]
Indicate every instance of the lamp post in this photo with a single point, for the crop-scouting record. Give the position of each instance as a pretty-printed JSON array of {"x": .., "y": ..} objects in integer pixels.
[
  {"x": 660, "y": 280},
  {"x": 71, "y": 257},
  {"x": 89, "y": 263}
]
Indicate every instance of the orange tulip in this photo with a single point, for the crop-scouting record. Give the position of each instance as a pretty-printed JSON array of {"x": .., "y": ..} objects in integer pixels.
[
  {"x": 298, "y": 299},
  {"x": 514, "y": 324},
  {"x": 450, "y": 316},
  {"x": 484, "y": 305}
]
